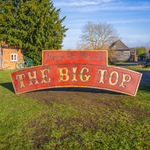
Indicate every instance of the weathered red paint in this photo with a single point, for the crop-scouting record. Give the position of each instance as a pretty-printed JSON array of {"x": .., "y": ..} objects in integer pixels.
[
  {"x": 75, "y": 57},
  {"x": 91, "y": 74}
]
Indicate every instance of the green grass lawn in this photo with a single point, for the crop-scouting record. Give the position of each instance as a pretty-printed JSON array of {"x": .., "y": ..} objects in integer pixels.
[
  {"x": 138, "y": 68},
  {"x": 116, "y": 63},
  {"x": 73, "y": 120}
]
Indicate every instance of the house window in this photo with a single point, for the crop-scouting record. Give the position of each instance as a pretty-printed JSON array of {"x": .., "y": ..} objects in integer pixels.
[{"x": 13, "y": 57}]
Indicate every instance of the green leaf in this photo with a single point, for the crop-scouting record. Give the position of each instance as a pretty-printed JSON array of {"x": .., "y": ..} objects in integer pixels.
[{"x": 34, "y": 25}]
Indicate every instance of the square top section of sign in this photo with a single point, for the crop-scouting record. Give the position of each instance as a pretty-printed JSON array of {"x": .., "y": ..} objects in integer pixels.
[{"x": 93, "y": 57}]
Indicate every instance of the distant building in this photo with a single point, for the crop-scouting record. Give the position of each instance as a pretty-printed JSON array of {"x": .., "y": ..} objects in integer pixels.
[
  {"x": 147, "y": 48},
  {"x": 122, "y": 52},
  {"x": 144, "y": 56},
  {"x": 9, "y": 56},
  {"x": 133, "y": 56}
]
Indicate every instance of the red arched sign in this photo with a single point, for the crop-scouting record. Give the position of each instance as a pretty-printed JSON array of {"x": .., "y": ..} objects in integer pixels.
[{"x": 76, "y": 69}]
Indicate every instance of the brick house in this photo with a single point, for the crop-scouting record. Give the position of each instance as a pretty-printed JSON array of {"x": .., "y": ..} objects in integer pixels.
[
  {"x": 120, "y": 50},
  {"x": 9, "y": 56},
  {"x": 133, "y": 56}
]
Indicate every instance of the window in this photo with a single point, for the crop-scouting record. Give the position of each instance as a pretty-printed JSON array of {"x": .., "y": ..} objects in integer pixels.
[{"x": 13, "y": 57}]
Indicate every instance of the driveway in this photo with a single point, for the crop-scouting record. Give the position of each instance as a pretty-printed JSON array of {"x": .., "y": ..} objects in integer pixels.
[
  {"x": 129, "y": 64},
  {"x": 145, "y": 77},
  {"x": 145, "y": 74}
]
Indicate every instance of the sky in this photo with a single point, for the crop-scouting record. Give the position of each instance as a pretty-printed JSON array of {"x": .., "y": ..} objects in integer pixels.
[{"x": 131, "y": 19}]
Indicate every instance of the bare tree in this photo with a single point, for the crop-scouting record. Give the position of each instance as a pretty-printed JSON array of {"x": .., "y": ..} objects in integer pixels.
[{"x": 97, "y": 35}]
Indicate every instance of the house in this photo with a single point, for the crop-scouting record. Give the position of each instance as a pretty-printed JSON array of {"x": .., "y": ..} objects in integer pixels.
[
  {"x": 9, "y": 56},
  {"x": 133, "y": 56},
  {"x": 147, "y": 48},
  {"x": 119, "y": 51},
  {"x": 144, "y": 56}
]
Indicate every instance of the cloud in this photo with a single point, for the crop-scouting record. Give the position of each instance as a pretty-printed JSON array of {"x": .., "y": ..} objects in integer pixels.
[
  {"x": 135, "y": 42},
  {"x": 82, "y": 21},
  {"x": 96, "y": 5},
  {"x": 76, "y": 30},
  {"x": 81, "y": 3},
  {"x": 76, "y": 4},
  {"x": 137, "y": 36},
  {"x": 100, "y": 7},
  {"x": 131, "y": 21}
]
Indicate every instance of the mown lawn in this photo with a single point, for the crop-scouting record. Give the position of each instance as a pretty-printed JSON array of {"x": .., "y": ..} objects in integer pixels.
[
  {"x": 116, "y": 63},
  {"x": 138, "y": 68},
  {"x": 73, "y": 119}
]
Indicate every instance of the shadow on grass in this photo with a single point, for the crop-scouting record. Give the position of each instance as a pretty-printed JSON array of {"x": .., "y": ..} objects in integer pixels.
[
  {"x": 79, "y": 89},
  {"x": 144, "y": 88},
  {"x": 8, "y": 86}
]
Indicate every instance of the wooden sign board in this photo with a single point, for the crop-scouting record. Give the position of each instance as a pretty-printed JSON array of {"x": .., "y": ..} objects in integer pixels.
[
  {"x": 75, "y": 57},
  {"x": 76, "y": 69}
]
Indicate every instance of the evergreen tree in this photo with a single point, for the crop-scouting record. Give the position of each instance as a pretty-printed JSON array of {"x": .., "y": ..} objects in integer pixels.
[{"x": 34, "y": 25}]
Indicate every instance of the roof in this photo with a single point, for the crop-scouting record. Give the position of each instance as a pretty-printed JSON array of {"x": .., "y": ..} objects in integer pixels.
[
  {"x": 132, "y": 50},
  {"x": 144, "y": 55},
  {"x": 3, "y": 44},
  {"x": 119, "y": 45}
]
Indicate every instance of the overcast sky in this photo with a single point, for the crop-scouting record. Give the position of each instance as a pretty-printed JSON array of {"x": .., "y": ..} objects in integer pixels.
[{"x": 131, "y": 19}]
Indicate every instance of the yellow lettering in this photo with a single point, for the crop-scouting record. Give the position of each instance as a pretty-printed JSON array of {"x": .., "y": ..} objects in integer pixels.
[
  {"x": 85, "y": 76},
  {"x": 124, "y": 79},
  {"x": 74, "y": 70},
  {"x": 102, "y": 72},
  {"x": 116, "y": 79},
  {"x": 34, "y": 77},
  {"x": 20, "y": 77},
  {"x": 62, "y": 75},
  {"x": 45, "y": 76}
]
